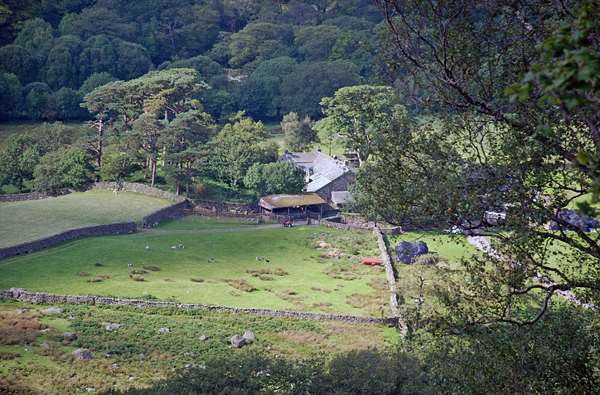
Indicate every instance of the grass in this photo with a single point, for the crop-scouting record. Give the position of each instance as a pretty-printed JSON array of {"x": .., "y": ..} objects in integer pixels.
[
  {"x": 239, "y": 265},
  {"x": 34, "y": 219},
  {"x": 39, "y": 360},
  {"x": 451, "y": 248}
]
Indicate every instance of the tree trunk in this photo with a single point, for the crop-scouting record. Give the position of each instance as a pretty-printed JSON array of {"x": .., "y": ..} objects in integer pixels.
[{"x": 153, "y": 164}]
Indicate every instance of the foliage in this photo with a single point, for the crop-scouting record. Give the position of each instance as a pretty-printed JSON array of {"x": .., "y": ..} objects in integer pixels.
[
  {"x": 363, "y": 114},
  {"x": 272, "y": 178},
  {"x": 494, "y": 153},
  {"x": 238, "y": 146},
  {"x": 64, "y": 168},
  {"x": 299, "y": 136}
]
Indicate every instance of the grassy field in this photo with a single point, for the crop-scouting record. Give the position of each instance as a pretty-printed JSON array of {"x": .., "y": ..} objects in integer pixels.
[
  {"x": 36, "y": 358},
  {"x": 34, "y": 219},
  {"x": 220, "y": 263},
  {"x": 451, "y": 249}
]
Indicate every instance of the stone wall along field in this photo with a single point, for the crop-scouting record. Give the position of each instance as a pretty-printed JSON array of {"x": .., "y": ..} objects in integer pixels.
[
  {"x": 37, "y": 245},
  {"x": 138, "y": 188},
  {"x": 175, "y": 211},
  {"x": 21, "y": 197},
  {"x": 46, "y": 298},
  {"x": 391, "y": 278}
]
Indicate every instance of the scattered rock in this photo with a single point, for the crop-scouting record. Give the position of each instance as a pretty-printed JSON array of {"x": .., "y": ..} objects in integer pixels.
[
  {"x": 70, "y": 336},
  {"x": 53, "y": 311},
  {"x": 112, "y": 326},
  {"x": 575, "y": 219},
  {"x": 83, "y": 354},
  {"x": 323, "y": 244},
  {"x": 203, "y": 338},
  {"x": 407, "y": 252},
  {"x": 90, "y": 389},
  {"x": 45, "y": 346},
  {"x": 163, "y": 330},
  {"x": 115, "y": 366},
  {"x": 249, "y": 337},
  {"x": 237, "y": 341}
]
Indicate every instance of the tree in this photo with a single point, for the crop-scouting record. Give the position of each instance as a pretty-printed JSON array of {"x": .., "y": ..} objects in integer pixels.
[
  {"x": 302, "y": 90},
  {"x": 260, "y": 94},
  {"x": 117, "y": 166},
  {"x": 316, "y": 42},
  {"x": 259, "y": 41},
  {"x": 94, "y": 81},
  {"x": 299, "y": 135},
  {"x": 11, "y": 96},
  {"x": 513, "y": 88},
  {"x": 61, "y": 68},
  {"x": 65, "y": 168},
  {"x": 36, "y": 36},
  {"x": 68, "y": 104},
  {"x": 362, "y": 114},
  {"x": 40, "y": 103},
  {"x": 239, "y": 145},
  {"x": 18, "y": 61},
  {"x": 277, "y": 177},
  {"x": 184, "y": 142},
  {"x": 18, "y": 159}
]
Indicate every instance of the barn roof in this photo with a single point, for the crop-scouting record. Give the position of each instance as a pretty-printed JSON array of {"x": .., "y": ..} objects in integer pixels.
[
  {"x": 271, "y": 202},
  {"x": 322, "y": 169}
]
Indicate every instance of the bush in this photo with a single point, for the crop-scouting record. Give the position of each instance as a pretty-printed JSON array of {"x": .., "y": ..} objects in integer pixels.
[{"x": 278, "y": 177}]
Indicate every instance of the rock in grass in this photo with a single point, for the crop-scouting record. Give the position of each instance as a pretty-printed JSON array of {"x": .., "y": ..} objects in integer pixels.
[
  {"x": 82, "y": 354},
  {"x": 163, "y": 330},
  {"x": 53, "y": 311},
  {"x": 203, "y": 338},
  {"x": 112, "y": 326},
  {"x": 237, "y": 341},
  {"x": 70, "y": 336},
  {"x": 249, "y": 337}
]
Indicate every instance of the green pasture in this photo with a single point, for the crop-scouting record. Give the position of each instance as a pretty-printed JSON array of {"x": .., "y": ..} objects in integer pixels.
[
  {"x": 450, "y": 248},
  {"x": 34, "y": 219},
  {"x": 214, "y": 262}
]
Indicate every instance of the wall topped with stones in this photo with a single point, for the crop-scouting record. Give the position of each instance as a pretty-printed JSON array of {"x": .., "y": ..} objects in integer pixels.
[
  {"x": 391, "y": 279},
  {"x": 20, "y": 197},
  {"x": 46, "y": 298},
  {"x": 217, "y": 208},
  {"x": 37, "y": 245},
  {"x": 137, "y": 188},
  {"x": 175, "y": 211}
]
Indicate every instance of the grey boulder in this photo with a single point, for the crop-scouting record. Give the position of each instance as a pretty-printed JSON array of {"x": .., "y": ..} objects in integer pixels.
[
  {"x": 53, "y": 311},
  {"x": 82, "y": 354},
  {"x": 407, "y": 252},
  {"x": 249, "y": 337},
  {"x": 237, "y": 341}
]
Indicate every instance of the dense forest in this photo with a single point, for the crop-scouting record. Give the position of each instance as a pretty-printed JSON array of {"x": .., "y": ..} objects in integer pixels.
[{"x": 265, "y": 57}]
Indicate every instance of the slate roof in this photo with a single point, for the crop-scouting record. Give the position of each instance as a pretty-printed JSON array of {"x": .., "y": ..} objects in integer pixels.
[
  {"x": 322, "y": 169},
  {"x": 271, "y": 202}
]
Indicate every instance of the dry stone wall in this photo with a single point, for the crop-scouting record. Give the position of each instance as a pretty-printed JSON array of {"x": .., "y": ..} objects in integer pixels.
[
  {"x": 137, "y": 188},
  {"x": 21, "y": 197},
  {"x": 391, "y": 278},
  {"x": 37, "y": 245},
  {"x": 175, "y": 211},
  {"x": 22, "y": 295}
]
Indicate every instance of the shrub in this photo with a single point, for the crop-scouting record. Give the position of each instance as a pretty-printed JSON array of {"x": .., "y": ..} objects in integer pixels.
[
  {"x": 241, "y": 284},
  {"x": 430, "y": 260}
]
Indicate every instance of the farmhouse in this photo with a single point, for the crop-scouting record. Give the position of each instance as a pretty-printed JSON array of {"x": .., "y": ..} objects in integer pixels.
[
  {"x": 324, "y": 174},
  {"x": 298, "y": 205}
]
